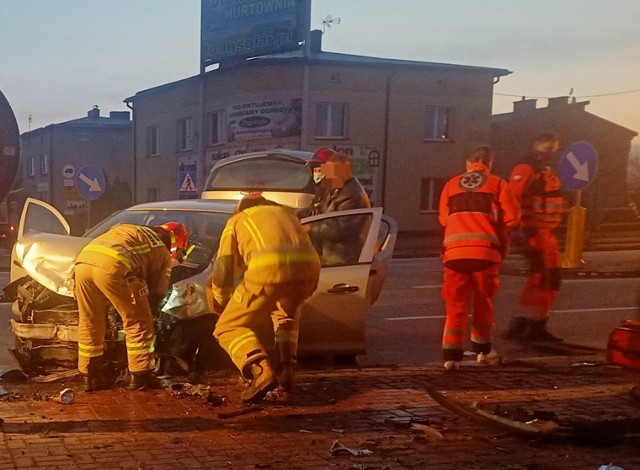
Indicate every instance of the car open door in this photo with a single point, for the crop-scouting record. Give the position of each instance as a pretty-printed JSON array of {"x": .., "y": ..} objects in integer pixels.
[
  {"x": 387, "y": 235},
  {"x": 41, "y": 232},
  {"x": 38, "y": 216},
  {"x": 343, "y": 296}
]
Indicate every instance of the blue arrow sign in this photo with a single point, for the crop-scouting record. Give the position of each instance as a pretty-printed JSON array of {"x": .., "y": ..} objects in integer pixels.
[
  {"x": 578, "y": 165},
  {"x": 90, "y": 182}
]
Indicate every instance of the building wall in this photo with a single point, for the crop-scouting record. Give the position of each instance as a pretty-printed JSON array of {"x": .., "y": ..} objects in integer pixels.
[
  {"x": 386, "y": 112},
  {"x": 513, "y": 134},
  {"x": 107, "y": 147}
]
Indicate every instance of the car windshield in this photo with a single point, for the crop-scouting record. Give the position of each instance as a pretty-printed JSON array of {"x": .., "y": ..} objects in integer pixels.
[
  {"x": 262, "y": 173},
  {"x": 204, "y": 227}
]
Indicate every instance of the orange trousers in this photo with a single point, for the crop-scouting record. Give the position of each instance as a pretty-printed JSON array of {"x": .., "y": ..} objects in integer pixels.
[
  {"x": 543, "y": 283},
  {"x": 95, "y": 288},
  {"x": 458, "y": 289}
]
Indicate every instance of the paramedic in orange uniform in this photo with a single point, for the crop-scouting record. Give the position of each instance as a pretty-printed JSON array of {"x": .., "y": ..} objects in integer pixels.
[
  {"x": 477, "y": 210},
  {"x": 537, "y": 188}
]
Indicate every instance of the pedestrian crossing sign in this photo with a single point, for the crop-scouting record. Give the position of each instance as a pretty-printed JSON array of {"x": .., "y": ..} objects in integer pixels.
[{"x": 188, "y": 185}]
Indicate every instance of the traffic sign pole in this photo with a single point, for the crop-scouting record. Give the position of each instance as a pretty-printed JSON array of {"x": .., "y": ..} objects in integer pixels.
[
  {"x": 577, "y": 170},
  {"x": 574, "y": 245}
]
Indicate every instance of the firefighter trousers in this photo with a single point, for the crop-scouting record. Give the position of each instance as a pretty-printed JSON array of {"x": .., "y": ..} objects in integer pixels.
[
  {"x": 458, "y": 289},
  {"x": 543, "y": 283},
  {"x": 95, "y": 288},
  {"x": 237, "y": 328}
]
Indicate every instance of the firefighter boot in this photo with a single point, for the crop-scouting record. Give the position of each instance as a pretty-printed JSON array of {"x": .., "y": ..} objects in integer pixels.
[
  {"x": 94, "y": 380},
  {"x": 144, "y": 380},
  {"x": 538, "y": 332},
  {"x": 263, "y": 382},
  {"x": 286, "y": 365},
  {"x": 518, "y": 328}
]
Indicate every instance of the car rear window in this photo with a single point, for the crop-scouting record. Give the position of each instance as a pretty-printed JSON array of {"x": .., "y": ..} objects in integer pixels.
[{"x": 264, "y": 174}]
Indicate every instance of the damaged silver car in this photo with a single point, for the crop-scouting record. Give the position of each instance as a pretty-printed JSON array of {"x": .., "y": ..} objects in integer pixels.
[{"x": 45, "y": 315}]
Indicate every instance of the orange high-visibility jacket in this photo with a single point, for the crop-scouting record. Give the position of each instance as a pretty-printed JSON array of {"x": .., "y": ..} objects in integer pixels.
[
  {"x": 477, "y": 209},
  {"x": 127, "y": 248},
  {"x": 265, "y": 244},
  {"x": 538, "y": 192}
]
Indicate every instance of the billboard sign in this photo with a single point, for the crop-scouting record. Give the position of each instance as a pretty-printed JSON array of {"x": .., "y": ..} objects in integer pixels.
[
  {"x": 238, "y": 29},
  {"x": 264, "y": 119}
]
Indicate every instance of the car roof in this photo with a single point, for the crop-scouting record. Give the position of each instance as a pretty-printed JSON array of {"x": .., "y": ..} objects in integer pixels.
[
  {"x": 208, "y": 205},
  {"x": 294, "y": 155}
]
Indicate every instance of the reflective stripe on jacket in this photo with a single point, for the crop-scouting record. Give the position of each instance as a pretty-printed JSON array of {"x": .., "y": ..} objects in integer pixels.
[
  {"x": 127, "y": 248},
  {"x": 476, "y": 210},
  {"x": 538, "y": 192},
  {"x": 264, "y": 244}
]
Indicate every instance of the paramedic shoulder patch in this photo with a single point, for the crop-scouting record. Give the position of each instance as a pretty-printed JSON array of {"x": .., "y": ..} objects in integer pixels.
[{"x": 472, "y": 180}]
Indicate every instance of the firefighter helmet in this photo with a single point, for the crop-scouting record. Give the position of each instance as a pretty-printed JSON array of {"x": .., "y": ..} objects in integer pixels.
[{"x": 179, "y": 238}]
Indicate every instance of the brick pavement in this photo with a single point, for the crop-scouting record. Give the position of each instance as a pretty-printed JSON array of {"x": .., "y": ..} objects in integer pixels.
[{"x": 370, "y": 410}]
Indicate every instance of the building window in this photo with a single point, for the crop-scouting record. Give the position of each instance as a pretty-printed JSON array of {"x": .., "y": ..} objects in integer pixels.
[
  {"x": 152, "y": 194},
  {"x": 185, "y": 134},
  {"x": 216, "y": 129},
  {"x": 152, "y": 141},
  {"x": 44, "y": 164},
  {"x": 430, "y": 190},
  {"x": 31, "y": 167},
  {"x": 83, "y": 137},
  {"x": 437, "y": 123},
  {"x": 331, "y": 120}
]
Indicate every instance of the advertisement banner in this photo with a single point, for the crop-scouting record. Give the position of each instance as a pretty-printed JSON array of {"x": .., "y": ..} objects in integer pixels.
[
  {"x": 264, "y": 119},
  {"x": 237, "y": 29}
]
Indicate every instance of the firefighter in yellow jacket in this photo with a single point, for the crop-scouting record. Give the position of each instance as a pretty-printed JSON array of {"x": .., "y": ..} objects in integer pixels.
[
  {"x": 266, "y": 265},
  {"x": 128, "y": 267}
]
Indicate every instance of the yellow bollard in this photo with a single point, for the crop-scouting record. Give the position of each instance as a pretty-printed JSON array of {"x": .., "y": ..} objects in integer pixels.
[{"x": 575, "y": 238}]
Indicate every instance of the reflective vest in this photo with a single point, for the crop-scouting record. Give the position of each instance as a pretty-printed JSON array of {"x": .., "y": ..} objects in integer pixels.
[
  {"x": 135, "y": 249},
  {"x": 476, "y": 210},
  {"x": 538, "y": 191},
  {"x": 264, "y": 244}
]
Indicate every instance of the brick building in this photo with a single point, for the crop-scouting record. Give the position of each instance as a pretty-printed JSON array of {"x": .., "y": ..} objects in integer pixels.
[
  {"x": 52, "y": 156},
  {"x": 407, "y": 125},
  {"x": 512, "y": 134}
]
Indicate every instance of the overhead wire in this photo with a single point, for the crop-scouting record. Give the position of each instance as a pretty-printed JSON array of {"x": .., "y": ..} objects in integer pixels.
[{"x": 581, "y": 97}]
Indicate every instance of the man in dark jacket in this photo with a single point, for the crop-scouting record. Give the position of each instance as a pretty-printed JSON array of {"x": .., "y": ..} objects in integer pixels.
[{"x": 338, "y": 190}]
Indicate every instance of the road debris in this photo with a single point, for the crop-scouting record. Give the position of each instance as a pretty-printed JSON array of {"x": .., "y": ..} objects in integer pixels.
[
  {"x": 339, "y": 449},
  {"x": 184, "y": 390},
  {"x": 67, "y": 396},
  {"x": 428, "y": 432}
]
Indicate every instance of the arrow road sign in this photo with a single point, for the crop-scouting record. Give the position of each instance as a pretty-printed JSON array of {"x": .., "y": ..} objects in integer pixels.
[
  {"x": 578, "y": 166},
  {"x": 90, "y": 182}
]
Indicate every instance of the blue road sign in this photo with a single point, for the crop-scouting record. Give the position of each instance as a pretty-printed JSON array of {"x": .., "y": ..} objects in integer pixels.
[
  {"x": 90, "y": 182},
  {"x": 578, "y": 165}
]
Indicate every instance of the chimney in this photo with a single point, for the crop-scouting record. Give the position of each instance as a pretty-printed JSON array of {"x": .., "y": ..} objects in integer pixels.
[
  {"x": 120, "y": 115},
  {"x": 524, "y": 105},
  {"x": 558, "y": 101},
  {"x": 94, "y": 112},
  {"x": 316, "y": 41}
]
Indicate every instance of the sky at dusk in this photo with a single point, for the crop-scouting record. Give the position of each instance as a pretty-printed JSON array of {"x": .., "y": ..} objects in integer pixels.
[{"x": 60, "y": 58}]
